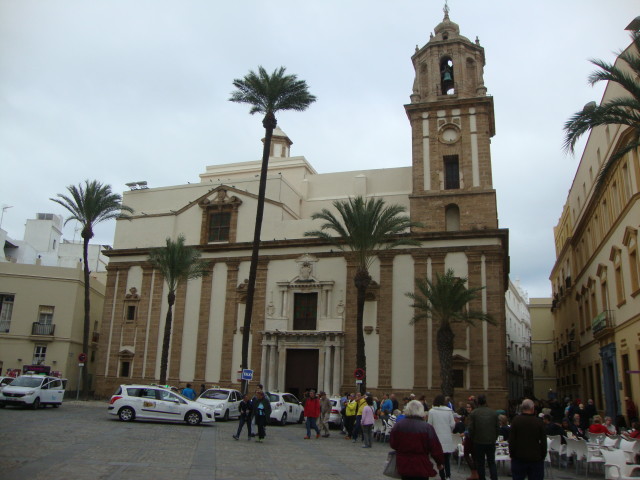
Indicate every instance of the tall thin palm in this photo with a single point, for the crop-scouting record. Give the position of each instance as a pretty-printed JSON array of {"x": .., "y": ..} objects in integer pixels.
[
  {"x": 446, "y": 302},
  {"x": 624, "y": 110},
  {"x": 90, "y": 204},
  {"x": 265, "y": 93},
  {"x": 177, "y": 263},
  {"x": 363, "y": 227}
]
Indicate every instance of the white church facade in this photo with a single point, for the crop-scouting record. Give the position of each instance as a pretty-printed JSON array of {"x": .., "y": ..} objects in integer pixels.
[{"x": 303, "y": 331}]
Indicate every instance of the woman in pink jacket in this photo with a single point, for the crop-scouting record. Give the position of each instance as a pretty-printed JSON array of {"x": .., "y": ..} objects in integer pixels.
[{"x": 367, "y": 422}]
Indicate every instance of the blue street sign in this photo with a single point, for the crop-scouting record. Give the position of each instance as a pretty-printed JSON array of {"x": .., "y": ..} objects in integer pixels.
[{"x": 247, "y": 374}]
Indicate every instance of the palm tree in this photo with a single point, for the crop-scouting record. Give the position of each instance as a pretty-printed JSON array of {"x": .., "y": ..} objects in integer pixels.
[
  {"x": 364, "y": 227},
  {"x": 90, "y": 204},
  {"x": 623, "y": 110},
  {"x": 266, "y": 94},
  {"x": 446, "y": 302},
  {"x": 177, "y": 263}
]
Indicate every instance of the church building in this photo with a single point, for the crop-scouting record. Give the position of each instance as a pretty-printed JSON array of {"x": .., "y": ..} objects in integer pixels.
[{"x": 303, "y": 332}]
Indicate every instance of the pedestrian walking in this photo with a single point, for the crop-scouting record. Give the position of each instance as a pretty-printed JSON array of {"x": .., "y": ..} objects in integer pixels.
[
  {"x": 414, "y": 441},
  {"x": 245, "y": 409},
  {"x": 261, "y": 409},
  {"x": 325, "y": 414},
  {"x": 367, "y": 422},
  {"x": 312, "y": 412},
  {"x": 189, "y": 392},
  {"x": 527, "y": 444},
  {"x": 357, "y": 426},
  {"x": 483, "y": 429},
  {"x": 442, "y": 421},
  {"x": 350, "y": 415}
]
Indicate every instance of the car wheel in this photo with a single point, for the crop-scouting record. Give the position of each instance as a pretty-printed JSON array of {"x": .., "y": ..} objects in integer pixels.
[
  {"x": 2, "y": 405},
  {"x": 36, "y": 403},
  {"x": 126, "y": 414},
  {"x": 226, "y": 415},
  {"x": 55, "y": 405},
  {"x": 301, "y": 419},
  {"x": 283, "y": 420},
  {"x": 193, "y": 418}
]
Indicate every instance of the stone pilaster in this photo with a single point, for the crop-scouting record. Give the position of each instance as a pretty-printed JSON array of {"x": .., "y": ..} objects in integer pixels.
[
  {"x": 257, "y": 320},
  {"x": 151, "y": 355},
  {"x": 437, "y": 267},
  {"x": 105, "y": 330},
  {"x": 384, "y": 321},
  {"x": 420, "y": 330},
  {"x": 230, "y": 319},
  {"x": 351, "y": 310},
  {"x": 175, "y": 351},
  {"x": 142, "y": 320},
  {"x": 203, "y": 327}
]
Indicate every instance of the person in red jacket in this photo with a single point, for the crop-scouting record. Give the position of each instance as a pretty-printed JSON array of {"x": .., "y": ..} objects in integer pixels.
[
  {"x": 312, "y": 412},
  {"x": 597, "y": 426},
  {"x": 414, "y": 441}
]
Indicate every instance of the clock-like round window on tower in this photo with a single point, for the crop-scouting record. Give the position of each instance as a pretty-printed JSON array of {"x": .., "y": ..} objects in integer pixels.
[{"x": 449, "y": 134}]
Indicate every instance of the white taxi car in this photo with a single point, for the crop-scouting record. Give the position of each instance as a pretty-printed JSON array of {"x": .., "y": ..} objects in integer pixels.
[
  {"x": 34, "y": 391},
  {"x": 285, "y": 408},
  {"x": 225, "y": 402},
  {"x": 4, "y": 381},
  {"x": 152, "y": 402}
]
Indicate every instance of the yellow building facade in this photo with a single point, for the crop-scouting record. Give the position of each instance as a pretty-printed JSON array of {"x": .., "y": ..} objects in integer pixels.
[
  {"x": 596, "y": 283},
  {"x": 42, "y": 318}
]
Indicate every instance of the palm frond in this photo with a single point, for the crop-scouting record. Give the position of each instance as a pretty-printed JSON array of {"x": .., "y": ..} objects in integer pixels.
[
  {"x": 178, "y": 263},
  {"x": 623, "y": 111},
  {"x": 364, "y": 227},
  {"x": 270, "y": 93},
  {"x": 446, "y": 300},
  {"x": 91, "y": 204}
]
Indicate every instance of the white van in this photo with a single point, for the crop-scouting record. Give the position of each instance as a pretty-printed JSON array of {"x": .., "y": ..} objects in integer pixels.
[{"x": 33, "y": 391}]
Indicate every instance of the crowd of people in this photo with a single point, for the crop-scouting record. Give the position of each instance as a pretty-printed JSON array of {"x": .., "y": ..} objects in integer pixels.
[{"x": 423, "y": 435}]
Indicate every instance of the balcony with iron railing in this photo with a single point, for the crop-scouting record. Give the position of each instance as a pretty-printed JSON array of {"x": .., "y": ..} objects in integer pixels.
[
  {"x": 603, "y": 324},
  {"x": 4, "y": 326},
  {"x": 45, "y": 329}
]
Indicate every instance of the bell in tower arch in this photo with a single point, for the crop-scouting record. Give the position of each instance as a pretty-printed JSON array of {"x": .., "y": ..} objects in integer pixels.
[{"x": 446, "y": 76}]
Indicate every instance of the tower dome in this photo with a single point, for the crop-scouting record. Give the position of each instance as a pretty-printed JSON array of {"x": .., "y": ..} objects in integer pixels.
[{"x": 446, "y": 29}]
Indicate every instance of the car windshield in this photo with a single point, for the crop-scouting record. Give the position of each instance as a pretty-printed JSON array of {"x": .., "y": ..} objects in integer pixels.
[
  {"x": 215, "y": 395},
  {"x": 30, "y": 382},
  {"x": 273, "y": 397}
]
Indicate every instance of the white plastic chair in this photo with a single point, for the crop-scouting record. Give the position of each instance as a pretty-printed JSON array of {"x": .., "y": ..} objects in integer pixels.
[
  {"x": 502, "y": 456},
  {"x": 581, "y": 451},
  {"x": 461, "y": 460},
  {"x": 616, "y": 468},
  {"x": 457, "y": 440},
  {"x": 612, "y": 442},
  {"x": 555, "y": 447},
  {"x": 631, "y": 448},
  {"x": 594, "y": 456},
  {"x": 595, "y": 437}
]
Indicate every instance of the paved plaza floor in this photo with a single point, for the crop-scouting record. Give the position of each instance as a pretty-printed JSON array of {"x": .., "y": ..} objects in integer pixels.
[{"x": 81, "y": 441}]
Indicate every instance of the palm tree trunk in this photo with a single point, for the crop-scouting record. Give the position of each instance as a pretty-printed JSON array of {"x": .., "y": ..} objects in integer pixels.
[
  {"x": 164, "y": 359},
  {"x": 362, "y": 280},
  {"x": 444, "y": 340},
  {"x": 269, "y": 122},
  {"x": 87, "y": 317}
]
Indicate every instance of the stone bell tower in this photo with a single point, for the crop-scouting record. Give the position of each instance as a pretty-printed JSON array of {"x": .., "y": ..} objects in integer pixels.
[{"x": 452, "y": 123}]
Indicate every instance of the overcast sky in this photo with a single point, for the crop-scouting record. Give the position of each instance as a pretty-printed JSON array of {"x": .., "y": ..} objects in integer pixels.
[{"x": 135, "y": 90}]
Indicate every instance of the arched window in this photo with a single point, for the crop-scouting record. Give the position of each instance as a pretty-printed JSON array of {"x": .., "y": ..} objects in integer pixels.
[
  {"x": 452, "y": 218},
  {"x": 447, "y": 83}
]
